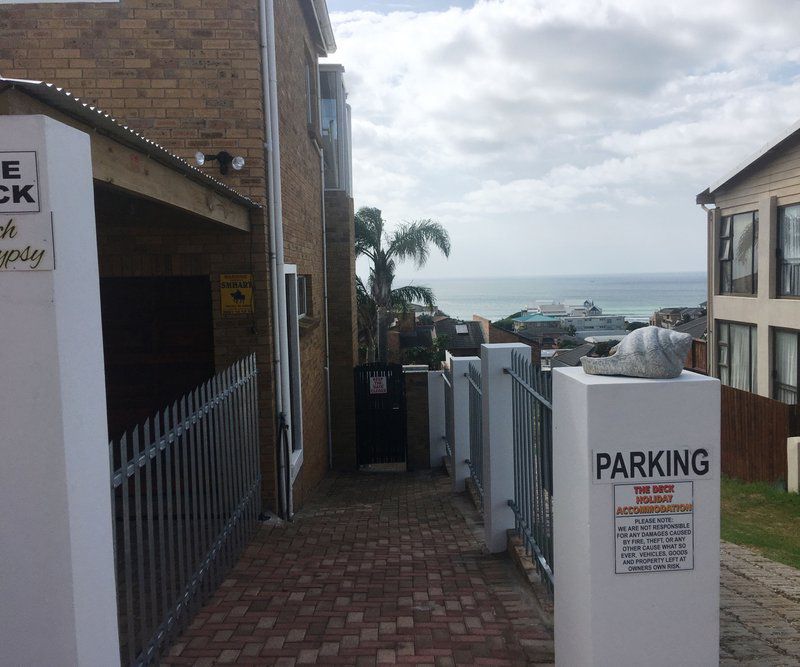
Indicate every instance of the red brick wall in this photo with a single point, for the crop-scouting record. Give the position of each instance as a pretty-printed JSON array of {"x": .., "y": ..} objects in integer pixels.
[{"x": 186, "y": 73}]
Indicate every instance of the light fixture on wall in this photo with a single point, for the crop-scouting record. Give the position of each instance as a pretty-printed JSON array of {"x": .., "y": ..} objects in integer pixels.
[{"x": 224, "y": 159}]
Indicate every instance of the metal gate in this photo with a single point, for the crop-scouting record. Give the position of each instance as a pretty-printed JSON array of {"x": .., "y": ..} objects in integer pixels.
[{"x": 380, "y": 414}]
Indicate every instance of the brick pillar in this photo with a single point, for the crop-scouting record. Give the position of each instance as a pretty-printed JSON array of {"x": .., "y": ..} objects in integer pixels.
[
  {"x": 417, "y": 431},
  {"x": 343, "y": 329}
]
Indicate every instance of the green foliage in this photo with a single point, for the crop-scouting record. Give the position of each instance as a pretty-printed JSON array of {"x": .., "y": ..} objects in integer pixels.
[
  {"x": 425, "y": 319},
  {"x": 433, "y": 356},
  {"x": 633, "y": 326},
  {"x": 507, "y": 323},
  {"x": 568, "y": 343},
  {"x": 571, "y": 330},
  {"x": 603, "y": 348},
  {"x": 762, "y": 516}
]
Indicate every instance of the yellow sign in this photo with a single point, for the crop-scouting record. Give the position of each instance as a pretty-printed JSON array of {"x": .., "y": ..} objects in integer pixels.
[{"x": 236, "y": 293}]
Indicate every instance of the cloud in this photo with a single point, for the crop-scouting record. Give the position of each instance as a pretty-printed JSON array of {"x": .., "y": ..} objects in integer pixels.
[{"x": 523, "y": 115}]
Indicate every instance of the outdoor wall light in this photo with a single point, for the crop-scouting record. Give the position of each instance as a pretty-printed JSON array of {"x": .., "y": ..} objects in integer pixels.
[{"x": 224, "y": 159}]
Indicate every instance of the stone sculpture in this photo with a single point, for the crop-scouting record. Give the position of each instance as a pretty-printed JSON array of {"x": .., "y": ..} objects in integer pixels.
[{"x": 649, "y": 352}]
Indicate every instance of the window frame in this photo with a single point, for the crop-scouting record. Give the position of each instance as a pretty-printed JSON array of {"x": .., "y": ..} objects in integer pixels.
[
  {"x": 752, "y": 344},
  {"x": 779, "y": 261},
  {"x": 725, "y": 264},
  {"x": 295, "y": 370},
  {"x": 774, "y": 369}
]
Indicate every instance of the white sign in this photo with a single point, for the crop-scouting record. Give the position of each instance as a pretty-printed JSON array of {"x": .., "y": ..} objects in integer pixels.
[
  {"x": 19, "y": 182},
  {"x": 26, "y": 233},
  {"x": 643, "y": 465},
  {"x": 377, "y": 384},
  {"x": 654, "y": 527}
]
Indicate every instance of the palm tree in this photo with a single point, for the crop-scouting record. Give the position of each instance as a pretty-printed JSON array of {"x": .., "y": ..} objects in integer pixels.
[{"x": 410, "y": 241}]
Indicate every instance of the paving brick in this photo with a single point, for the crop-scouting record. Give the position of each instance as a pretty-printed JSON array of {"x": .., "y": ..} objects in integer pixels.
[{"x": 400, "y": 577}]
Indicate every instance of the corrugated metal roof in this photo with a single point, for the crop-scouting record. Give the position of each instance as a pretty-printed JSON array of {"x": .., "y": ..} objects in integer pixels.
[{"x": 67, "y": 103}]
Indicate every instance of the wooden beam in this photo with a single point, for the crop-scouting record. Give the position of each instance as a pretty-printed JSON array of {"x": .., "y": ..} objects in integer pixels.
[{"x": 130, "y": 170}]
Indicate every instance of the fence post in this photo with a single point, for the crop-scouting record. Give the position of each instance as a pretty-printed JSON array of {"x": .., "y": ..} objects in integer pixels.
[
  {"x": 436, "y": 418},
  {"x": 460, "y": 444},
  {"x": 56, "y": 547},
  {"x": 498, "y": 441},
  {"x": 793, "y": 460}
]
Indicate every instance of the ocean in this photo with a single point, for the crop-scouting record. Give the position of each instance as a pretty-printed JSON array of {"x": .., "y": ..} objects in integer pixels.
[{"x": 636, "y": 296}]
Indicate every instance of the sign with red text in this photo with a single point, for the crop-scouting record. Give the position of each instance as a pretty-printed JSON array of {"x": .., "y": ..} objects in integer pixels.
[
  {"x": 26, "y": 233},
  {"x": 377, "y": 384},
  {"x": 654, "y": 527}
]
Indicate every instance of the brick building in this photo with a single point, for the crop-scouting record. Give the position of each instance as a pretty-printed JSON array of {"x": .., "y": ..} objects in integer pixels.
[{"x": 188, "y": 74}]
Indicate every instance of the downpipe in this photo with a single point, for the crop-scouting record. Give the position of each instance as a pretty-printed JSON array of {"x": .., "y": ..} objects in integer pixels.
[{"x": 272, "y": 161}]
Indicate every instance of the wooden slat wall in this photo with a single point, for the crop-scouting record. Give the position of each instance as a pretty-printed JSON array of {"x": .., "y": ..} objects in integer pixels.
[{"x": 754, "y": 432}]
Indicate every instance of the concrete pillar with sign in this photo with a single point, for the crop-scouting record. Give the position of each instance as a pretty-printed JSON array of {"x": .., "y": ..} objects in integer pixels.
[
  {"x": 56, "y": 545},
  {"x": 636, "y": 519}
]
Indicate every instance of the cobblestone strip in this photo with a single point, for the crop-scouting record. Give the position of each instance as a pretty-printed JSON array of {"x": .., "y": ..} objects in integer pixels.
[
  {"x": 379, "y": 569},
  {"x": 759, "y": 609}
]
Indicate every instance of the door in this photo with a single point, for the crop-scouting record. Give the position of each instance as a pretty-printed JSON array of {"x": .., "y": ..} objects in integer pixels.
[{"x": 380, "y": 414}]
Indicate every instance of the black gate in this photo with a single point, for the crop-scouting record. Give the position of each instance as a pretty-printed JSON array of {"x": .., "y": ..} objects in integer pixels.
[{"x": 380, "y": 414}]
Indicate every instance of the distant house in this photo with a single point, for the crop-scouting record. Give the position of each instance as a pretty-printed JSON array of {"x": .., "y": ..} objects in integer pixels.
[
  {"x": 754, "y": 271},
  {"x": 571, "y": 356},
  {"x": 464, "y": 339},
  {"x": 668, "y": 318},
  {"x": 591, "y": 325},
  {"x": 583, "y": 309}
]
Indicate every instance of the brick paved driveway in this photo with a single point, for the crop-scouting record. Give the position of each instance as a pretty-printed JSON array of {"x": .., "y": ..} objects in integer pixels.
[
  {"x": 378, "y": 569},
  {"x": 759, "y": 610}
]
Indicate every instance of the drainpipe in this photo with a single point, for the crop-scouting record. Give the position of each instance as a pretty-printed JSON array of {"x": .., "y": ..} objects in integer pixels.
[
  {"x": 325, "y": 291},
  {"x": 272, "y": 164}
]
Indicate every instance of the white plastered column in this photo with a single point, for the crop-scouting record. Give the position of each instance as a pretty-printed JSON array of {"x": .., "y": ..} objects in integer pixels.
[
  {"x": 612, "y": 611},
  {"x": 460, "y": 445},
  {"x": 57, "y": 589},
  {"x": 498, "y": 441}
]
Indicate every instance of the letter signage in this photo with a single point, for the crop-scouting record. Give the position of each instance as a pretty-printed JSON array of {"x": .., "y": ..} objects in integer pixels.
[
  {"x": 638, "y": 465},
  {"x": 26, "y": 233},
  {"x": 236, "y": 293}
]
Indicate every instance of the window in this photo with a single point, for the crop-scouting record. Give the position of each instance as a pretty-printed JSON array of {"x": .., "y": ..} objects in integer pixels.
[
  {"x": 303, "y": 296},
  {"x": 738, "y": 254},
  {"x": 736, "y": 355},
  {"x": 784, "y": 365},
  {"x": 789, "y": 251},
  {"x": 311, "y": 92},
  {"x": 295, "y": 402}
]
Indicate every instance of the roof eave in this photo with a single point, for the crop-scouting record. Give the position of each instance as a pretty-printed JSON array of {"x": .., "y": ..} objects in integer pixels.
[{"x": 323, "y": 19}]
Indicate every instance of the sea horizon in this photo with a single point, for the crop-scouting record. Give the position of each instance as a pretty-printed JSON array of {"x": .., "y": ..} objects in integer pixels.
[{"x": 634, "y": 295}]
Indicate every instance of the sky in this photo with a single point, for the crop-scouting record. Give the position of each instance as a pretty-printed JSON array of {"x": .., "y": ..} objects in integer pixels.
[{"x": 557, "y": 137}]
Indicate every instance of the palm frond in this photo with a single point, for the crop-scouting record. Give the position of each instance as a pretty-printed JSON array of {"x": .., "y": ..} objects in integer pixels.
[
  {"x": 402, "y": 297},
  {"x": 413, "y": 240},
  {"x": 368, "y": 231}
]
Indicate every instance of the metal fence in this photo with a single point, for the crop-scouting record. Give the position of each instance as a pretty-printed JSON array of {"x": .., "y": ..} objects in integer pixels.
[
  {"x": 532, "y": 397},
  {"x": 185, "y": 489},
  {"x": 447, "y": 377},
  {"x": 475, "y": 461}
]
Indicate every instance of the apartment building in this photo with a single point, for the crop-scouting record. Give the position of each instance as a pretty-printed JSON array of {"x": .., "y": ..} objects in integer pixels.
[
  {"x": 188, "y": 78},
  {"x": 754, "y": 271}
]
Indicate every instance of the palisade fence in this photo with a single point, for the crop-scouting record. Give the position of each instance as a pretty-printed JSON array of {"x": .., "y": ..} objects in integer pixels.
[
  {"x": 475, "y": 461},
  {"x": 447, "y": 377},
  {"x": 532, "y": 407},
  {"x": 185, "y": 489}
]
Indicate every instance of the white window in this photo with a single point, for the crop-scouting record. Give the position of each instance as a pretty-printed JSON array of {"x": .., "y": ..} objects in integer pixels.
[
  {"x": 784, "y": 370},
  {"x": 295, "y": 377},
  {"x": 736, "y": 355}
]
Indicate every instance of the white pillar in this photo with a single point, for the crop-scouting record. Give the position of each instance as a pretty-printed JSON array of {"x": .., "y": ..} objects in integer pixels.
[
  {"x": 460, "y": 445},
  {"x": 436, "y": 418},
  {"x": 57, "y": 589},
  {"x": 793, "y": 460},
  {"x": 636, "y": 519},
  {"x": 498, "y": 441}
]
